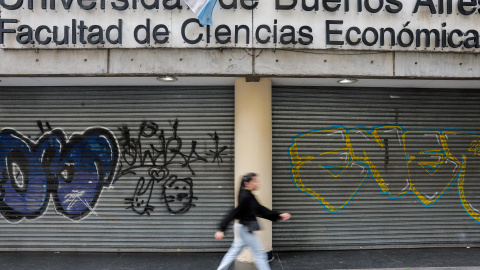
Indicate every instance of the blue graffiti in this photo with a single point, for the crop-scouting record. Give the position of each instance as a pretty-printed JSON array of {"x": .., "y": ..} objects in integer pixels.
[{"x": 73, "y": 171}]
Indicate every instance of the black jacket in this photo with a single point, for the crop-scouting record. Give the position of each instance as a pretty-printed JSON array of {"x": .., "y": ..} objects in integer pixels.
[{"x": 247, "y": 210}]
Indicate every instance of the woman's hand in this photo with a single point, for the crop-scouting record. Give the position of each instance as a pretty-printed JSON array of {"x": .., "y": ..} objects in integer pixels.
[
  {"x": 285, "y": 216},
  {"x": 219, "y": 235}
]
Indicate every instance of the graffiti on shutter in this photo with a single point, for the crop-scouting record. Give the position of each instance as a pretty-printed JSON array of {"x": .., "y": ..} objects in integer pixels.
[
  {"x": 152, "y": 165},
  {"x": 430, "y": 162},
  {"x": 73, "y": 170}
]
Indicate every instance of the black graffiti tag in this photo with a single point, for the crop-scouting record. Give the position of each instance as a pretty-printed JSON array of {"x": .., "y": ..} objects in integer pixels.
[
  {"x": 153, "y": 165},
  {"x": 218, "y": 152}
]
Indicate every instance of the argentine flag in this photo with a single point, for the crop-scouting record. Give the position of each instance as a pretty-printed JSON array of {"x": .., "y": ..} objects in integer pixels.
[{"x": 203, "y": 9}]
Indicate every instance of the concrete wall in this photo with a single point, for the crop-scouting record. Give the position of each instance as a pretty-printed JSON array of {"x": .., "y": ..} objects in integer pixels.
[
  {"x": 238, "y": 62},
  {"x": 253, "y": 146}
]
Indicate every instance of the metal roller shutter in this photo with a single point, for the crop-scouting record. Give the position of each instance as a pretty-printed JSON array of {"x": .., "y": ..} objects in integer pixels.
[
  {"x": 376, "y": 168},
  {"x": 148, "y": 169}
]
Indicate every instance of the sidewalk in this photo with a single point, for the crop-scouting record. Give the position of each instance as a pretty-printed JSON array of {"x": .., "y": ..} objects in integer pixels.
[{"x": 391, "y": 259}]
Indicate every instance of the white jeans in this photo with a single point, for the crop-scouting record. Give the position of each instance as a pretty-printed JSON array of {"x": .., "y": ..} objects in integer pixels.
[{"x": 249, "y": 239}]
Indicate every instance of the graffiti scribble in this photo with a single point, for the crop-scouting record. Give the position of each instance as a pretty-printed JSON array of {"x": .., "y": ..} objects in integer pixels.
[
  {"x": 217, "y": 153},
  {"x": 153, "y": 165},
  {"x": 434, "y": 161}
]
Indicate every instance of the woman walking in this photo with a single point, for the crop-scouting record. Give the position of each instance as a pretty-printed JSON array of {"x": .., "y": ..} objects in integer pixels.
[{"x": 246, "y": 212}]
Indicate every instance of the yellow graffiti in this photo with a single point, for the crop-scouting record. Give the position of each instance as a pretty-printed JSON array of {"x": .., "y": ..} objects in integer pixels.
[
  {"x": 475, "y": 148},
  {"x": 461, "y": 180},
  {"x": 430, "y": 167},
  {"x": 429, "y": 161},
  {"x": 298, "y": 162},
  {"x": 366, "y": 159}
]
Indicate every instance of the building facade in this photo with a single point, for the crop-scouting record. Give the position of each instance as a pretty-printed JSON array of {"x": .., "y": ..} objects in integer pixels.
[{"x": 100, "y": 153}]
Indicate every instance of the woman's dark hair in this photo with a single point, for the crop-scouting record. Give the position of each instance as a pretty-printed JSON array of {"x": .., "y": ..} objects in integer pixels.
[{"x": 247, "y": 178}]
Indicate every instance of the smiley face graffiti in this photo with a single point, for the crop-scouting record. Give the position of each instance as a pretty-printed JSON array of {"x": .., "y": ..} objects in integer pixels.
[{"x": 154, "y": 165}]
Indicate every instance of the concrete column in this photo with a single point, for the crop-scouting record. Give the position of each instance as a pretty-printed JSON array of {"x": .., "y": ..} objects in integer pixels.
[{"x": 253, "y": 146}]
